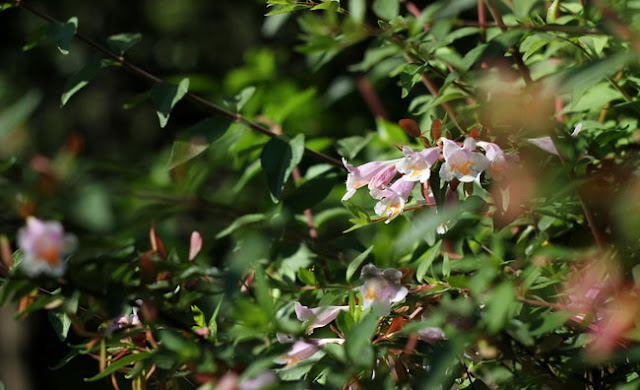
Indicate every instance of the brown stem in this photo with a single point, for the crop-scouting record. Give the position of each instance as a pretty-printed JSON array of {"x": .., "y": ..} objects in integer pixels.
[
  {"x": 517, "y": 57},
  {"x": 526, "y": 26},
  {"x": 371, "y": 97},
  {"x": 190, "y": 96},
  {"x": 482, "y": 19}
]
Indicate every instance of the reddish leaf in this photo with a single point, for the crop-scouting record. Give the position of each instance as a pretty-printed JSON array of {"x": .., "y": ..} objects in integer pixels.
[{"x": 410, "y": 127}]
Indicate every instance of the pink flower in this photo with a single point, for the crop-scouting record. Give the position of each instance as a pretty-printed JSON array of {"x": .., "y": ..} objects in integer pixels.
[
  {"x": 416, "y": 166},
  {"x": 462, "y": 163},
  {"x": 392, "y": 199},
  {"x": 319, "y": 316},
  {"x": 302, "y": 349},
  {"x": 430, "y": 334},
  {"x": 44, "y": 246},
  {"x": 498, "y": 159},
  {"x": 381, "y": 288},
  {"x": 375, "y": 174}
]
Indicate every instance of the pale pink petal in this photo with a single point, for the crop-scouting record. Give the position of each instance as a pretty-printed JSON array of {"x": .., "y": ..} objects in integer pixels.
[
  {"x": 545, "y": 143},
  {"x": 195, "y": 245},
  {"x": 319, "y": 316}
]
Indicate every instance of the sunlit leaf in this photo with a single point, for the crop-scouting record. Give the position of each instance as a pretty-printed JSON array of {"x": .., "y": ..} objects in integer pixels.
[{"x": 165, "y": 96}]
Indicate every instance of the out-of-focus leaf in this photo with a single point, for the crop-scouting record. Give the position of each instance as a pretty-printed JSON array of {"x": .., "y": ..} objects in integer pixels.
[
  {"x": 551, "y": 12},
  {"x": 120, "y": 363},
  {"x": 355, "y": 263},
  {"x": 61, "y": 34},
  {"x": 18, "y": 112},
  {"x": 357, "y": 10},
  {"x": 386, "y": 9},
  {"x": 165, "y": 96},
  {"x": 242, "y": 221},
  {"x": 285, "y": 8},
  {"x": 120, "y": 43},
  {"x": 331, "y": 5},
  {"x": 425, "y": 261},
  {"x": 310, "y": 193},
  {"x": 80, "y": 79},
  {"x": 5, "y": 6},
  {"x": 499, "y": 305},
  {"x": 279, "y": 157},
  {"x": 349, "y": 147},
  {"x": 358, "y": 341},
  {"x": 183, "y": 151},
  {"x": 454, "y": 7},
  {"x": 237, "y": 102}
]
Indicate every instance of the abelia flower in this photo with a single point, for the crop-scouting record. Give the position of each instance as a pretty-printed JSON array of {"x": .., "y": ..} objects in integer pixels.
[
  {"x": 497, "y": 158},
  {"x": 303, "y": 349},
  {"x": 319, "y": 316},
  {"x": 416, "y": 166},
  {"x": 44, "y": 246},
  {"x": 431, "y": 334},
  {"x": 462, "y": 163},
  {"x": 393, "y": 198},
  {"x": 381, "y": 288},
  {"x": 545, "y": 143},
  {"x": 231, "y": 381},
  {"x": 375, "y": 174}
]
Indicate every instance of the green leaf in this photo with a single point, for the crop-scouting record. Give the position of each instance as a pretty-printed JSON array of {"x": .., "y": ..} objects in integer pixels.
[
  {"x": 551, "y": 11},
  {"x": 357, "y": 10},
  {"x": 285, "y": 8},
  {"x": 311, "y": 193},
  {"x": 81, "y": 78},
  {"x": 61, "y": 34},
  {"x": 358, "y": 341},
  {"x": 213, "y": 128},
  {"x": 120, "y": 43},
  {"x": 60, "y": 320},
  {"x": 278, "y": 158},
  {"x": 15, "y": 114},
  {"x": 165, "y": 96},
  {"x": 120, "y": 363},
  {"x": 63, "y": 362},
  {"x": 349, "y": 147},
  {"x": 242, "y": 221},
  {"x": 386, "y": 9},
  {"x": 454, "y": 7},
  {"x": 307, "y": 277},
  {"x": 5, "y": 6},
  {"x": 355, "y": 263},
  {"x": 237, "y": 102},
  {"x": 425, "y": 261},
  {"x": 183, "y": 151},
  {"x": 499, "y": 306},
  {"x": 331, "y": 5}
]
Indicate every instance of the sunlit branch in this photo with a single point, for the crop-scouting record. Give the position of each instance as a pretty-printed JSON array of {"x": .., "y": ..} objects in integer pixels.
[{"x": 190, "y": 96}]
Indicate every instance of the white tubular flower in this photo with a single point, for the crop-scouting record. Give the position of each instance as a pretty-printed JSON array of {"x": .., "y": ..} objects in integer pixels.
[
  {"x": 462, "y": 163},
  {"x": 302, "y": 349},
  {"x": 44, "y": 246},
  {"x": 392, "y": 199},
  {"x": 497, "y": 159},
  {"x": 319, "y": 316},
  {"x": 416, "y": 166},
  {"x": 381, "y": 288},
  {"x": 375, "y": 174}
]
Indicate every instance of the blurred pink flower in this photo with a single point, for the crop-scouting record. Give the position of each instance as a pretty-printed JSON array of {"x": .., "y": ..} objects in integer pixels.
[
  {"x": 375, "y": 174},
  {"x": 416, "y": 166},
  {"x": 302, "y": 349},
  {"x": 498, "y": 159},
  {"x": 462, "y": 163},
  {"x": 393, "y": 198},
  {"x": 545, "y": 143},
  {"x": 319, "y": 316},
  {"x": 44, "y": 246},
  {"x": 381, "y": 288}
]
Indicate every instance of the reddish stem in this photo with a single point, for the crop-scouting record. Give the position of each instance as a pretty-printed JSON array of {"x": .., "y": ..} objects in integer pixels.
[{"x": 371, "y": 98}]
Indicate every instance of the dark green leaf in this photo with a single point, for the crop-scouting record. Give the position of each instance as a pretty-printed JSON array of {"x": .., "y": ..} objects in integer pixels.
[
  {"x": 60, "y": 320},
  {"x": 285, "y": 8},
  {"x": 310, "y": 193},
  {"x": 63, "y": 362},
  {"x": 213, "y": 128},
  {"x": 165, "y": 96},
  {"x": 349, "y": 147},
  {"x": 425, "y": 261},
  {"x": 355, "y": 263},
  {"x": 244, "y": 220},
  {"x": 183, "y": 151},
  {"x": 61, "y": 34},
  {"x": 120, "y": 363},
  {"x": 120, "y": 43},
  {"x": 80, "y": 79},
  {"x": 279, "y": 157}
]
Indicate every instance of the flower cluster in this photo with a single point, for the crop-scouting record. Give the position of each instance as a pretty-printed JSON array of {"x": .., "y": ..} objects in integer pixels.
[
  {"x": 464, "y": 163},
  {"x": 380, "y": 290}
]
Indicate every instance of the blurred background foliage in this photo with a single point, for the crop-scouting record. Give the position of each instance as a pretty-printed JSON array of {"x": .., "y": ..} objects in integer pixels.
[{"x": 103, "y": 166}]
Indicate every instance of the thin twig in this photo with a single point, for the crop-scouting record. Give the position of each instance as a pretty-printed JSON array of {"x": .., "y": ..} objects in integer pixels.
[
  {"x": 517, "y": 57},
  {"x": 371, "y": 98},
  {"x": 190, "y": 96}
]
